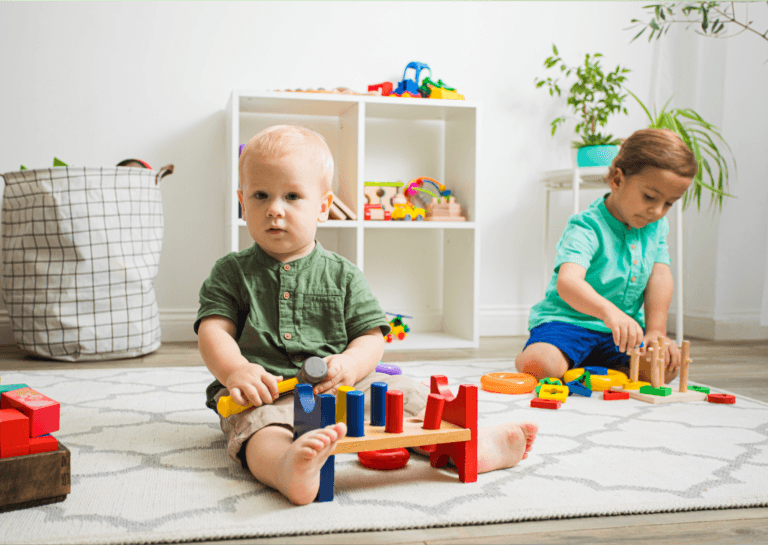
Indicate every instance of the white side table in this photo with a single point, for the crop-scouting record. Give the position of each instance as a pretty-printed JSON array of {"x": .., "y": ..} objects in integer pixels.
[{"x": 574, "y": 179}]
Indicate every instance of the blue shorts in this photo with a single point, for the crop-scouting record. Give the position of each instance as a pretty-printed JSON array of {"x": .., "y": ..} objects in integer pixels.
[{"x": 582, "y": 347}]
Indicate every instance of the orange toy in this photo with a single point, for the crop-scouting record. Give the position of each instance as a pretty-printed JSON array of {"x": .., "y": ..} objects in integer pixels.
[{"x": 508, "y": 383}]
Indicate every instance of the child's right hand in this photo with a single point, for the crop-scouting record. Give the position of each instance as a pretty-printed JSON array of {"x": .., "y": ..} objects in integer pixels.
[
  {"x": 252, "y": 383},
  {"x": 627, "y": 333}
]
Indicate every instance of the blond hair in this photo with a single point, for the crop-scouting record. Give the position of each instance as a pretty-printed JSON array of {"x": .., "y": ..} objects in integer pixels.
[
  {"x": 280, "y": 140},
  {"x": 660, "y": 148}
]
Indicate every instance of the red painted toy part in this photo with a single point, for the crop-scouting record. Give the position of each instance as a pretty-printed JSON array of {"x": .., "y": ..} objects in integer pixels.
[
  {"x": 721, "y": 398},
  {"x": 460, "y": 410},
  {"x": 46, "y": 443},
  {"x": 608, "y": 395},
  {"x": 43, "y": 412},
  {"x": 539, "y": 403},
  {"x": 14, "y": 433},
  {"x": 391, "y": 458}
]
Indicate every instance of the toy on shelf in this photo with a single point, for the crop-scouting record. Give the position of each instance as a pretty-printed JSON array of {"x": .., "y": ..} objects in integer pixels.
[
  {"x": 508, "y": 383},
  {"x": 34, "y": 466},
  {"x": 416, "y": 87},
  {"x": 405, "y": 211},
  {"x": 430, "y": 89},
  {"x": 399, "y": 329},
  {"x": 453, "y": 436},
  {"x": 410, "y": 87},
  {"x": 379, "y": 196},
  {"x": 441, "y": 207},
  {"x": 657, "y": 392}
]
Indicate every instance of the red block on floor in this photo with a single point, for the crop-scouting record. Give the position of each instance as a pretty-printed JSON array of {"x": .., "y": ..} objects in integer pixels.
[
  {"x": 721, "y": 398},
  {"x": 46, "y": 443},
  {"x": 608, "y": 395},
  {"x": 14, "y": 433},
  {"x": 43, "y": 412},
  {"x": 539, "y": 403}
]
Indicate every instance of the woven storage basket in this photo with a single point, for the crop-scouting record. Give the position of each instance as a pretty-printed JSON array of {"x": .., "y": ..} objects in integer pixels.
[{"x": 81, "y": 248}]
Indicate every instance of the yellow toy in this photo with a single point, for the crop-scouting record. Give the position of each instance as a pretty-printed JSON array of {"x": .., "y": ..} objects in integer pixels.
[
  {"x": 554, "y": 391},
  {"x": 406, "y": 211},
  {"x": 599, "y": 382}
]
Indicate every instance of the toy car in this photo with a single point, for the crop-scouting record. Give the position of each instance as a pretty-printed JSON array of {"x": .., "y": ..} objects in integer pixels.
[{"x": 410, "y": 87}]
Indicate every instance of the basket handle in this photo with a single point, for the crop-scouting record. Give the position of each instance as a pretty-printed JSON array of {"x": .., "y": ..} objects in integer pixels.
[{"x": 164, "y": 171}]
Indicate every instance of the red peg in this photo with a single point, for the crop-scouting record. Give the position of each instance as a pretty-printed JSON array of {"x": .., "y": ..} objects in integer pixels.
[
  {"x": 433, "y": 416},
  {"x": 394, "y": 408}
]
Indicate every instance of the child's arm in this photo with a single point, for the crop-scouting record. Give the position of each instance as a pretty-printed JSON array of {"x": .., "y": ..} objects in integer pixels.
[
  {"x": 358, "y": 361},
  {"x": 245, "y": 381},
  {"x": 574, "y": 290},
  {"x": 658, "y": 296}
]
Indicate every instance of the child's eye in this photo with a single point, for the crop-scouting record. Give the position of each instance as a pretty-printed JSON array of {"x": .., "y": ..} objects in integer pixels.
[
  {"x": 648, "y": 198},
  {"x": 260, "y": 195},
  {"x": 292, "y": 196}
]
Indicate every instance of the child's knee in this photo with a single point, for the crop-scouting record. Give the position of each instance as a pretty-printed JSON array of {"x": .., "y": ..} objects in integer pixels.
[{"x": 536, "y": 365}]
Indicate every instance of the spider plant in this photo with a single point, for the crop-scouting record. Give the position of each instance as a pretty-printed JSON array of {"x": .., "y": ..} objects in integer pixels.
[{"x": 701, "y": 138}]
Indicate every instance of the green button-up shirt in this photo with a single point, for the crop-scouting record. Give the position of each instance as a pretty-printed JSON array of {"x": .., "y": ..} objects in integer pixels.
[
  {"x": 618, "y": 261},
  {"x": 286, "y": 312}
]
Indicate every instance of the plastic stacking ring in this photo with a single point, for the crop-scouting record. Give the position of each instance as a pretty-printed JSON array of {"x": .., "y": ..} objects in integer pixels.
[
  {"x": 391, "y": 458},
  {"x": 508, "y": 383},
  {"x": 389, "y": 369}
]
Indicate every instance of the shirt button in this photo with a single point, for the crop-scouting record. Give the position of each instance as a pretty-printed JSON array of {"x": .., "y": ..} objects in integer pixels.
[
  {"x": 286, "y": 295},
  {"x": 635, "y": 262},
  {"x": 286, "y": 267},
  {"x": 297, "y": 358},
  {"x": 288, "y": 336},
  {"x": 634, "y": 278},
  {"x": 632, "y": 246}
]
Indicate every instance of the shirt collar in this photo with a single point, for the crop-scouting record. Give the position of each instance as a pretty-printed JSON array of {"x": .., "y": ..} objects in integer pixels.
[
  {"x": 612, "y": 222},
  {"x": 303, "y": 262}
]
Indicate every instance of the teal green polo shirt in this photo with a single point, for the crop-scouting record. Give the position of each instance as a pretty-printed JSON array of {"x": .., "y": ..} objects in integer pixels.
[
  {"x": 618, "y": 260},
  {"x": 286, "y": 312}
]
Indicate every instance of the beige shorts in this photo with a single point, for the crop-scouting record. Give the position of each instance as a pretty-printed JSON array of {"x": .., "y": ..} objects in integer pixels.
[{"x": 239, "y": 428}]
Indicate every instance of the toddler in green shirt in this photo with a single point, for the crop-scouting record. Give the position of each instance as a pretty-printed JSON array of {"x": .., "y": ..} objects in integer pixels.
[
  {"x": 612, "y": 285},
  {"x": 267, "y": 308}
]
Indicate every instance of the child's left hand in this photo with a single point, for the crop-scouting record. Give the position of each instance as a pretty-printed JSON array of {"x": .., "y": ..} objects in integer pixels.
[
  {"x": 342, "y": 371},
  {"x": 671, "y": 351}
]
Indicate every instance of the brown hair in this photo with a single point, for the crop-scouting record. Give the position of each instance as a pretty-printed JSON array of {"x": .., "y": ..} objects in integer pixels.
[{"x": 660, "y": 148}]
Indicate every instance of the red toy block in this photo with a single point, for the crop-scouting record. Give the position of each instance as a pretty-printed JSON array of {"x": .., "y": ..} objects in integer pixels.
[
  {"x": 609, "y": 395},
  {"x": 540, "y": 403},
  {"x": 433, "y": 415},
  {"x": 394, "y": 409},
  {"x": 46, "y": 443},
  {"x": 460, "y": 410},
  {"x": 721, "y": 398},
  {"x": 14, "y": 433},
  {"x": 390, "y": 458},
  {"x": 43, "y": 412}
]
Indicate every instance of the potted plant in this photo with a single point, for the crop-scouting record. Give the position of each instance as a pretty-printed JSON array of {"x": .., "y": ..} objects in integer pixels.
[
  {"x": 701, "y": 137},
  {"x": 593, "y": 98}
]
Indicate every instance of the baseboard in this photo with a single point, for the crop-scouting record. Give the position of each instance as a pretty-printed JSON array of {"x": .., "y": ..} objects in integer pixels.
[
  {"x": 503, "y": 320},
  {"x": 739, "y": 328}
]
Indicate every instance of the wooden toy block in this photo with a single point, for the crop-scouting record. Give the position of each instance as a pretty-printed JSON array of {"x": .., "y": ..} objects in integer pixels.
[
  {"x": 391, "y": 458},
  {"x": 702, "y": 389},
  {"x": 46, "y": 443},
  {"x": 576, "y": 387},
  {"x": 721, "y": 398},
  {"x": 355, "y": 414},
  {"x": 686, "y": 360},
  {"x": 539, "y": 403},
  {"x": 635, "y": 385},
  {"x": 394, "y": 408},
  {"x": 460, "y": 410},
  {"x": 660, "y": 391},
  {"x": 14, "y": 433},
  {"x": 378, "y": 403},
  {"x": 9, "y": 387},
  {"x": 341, "y": 403},
  {"x": 553, "y": 391},
  {"x": 413, "y": 435},
  {"x": 609, "y": 395},
  {"x": 36, "y": 479},
  {"x": 634, "y": 366},
  {"x": 434, "y": 412},
  {"x": 673, "y": 397},
  {"x": 43, "y": 412}
]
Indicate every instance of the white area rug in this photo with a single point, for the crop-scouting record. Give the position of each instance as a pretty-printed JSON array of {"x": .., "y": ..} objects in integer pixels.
[{"x": 148, "y": 464}]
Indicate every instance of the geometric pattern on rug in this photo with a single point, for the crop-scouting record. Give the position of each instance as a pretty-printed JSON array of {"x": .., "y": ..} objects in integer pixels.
[{"x": 149, "y": 465}]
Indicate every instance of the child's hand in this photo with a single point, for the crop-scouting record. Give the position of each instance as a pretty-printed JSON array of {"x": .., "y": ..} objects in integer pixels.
[
  {"x": 671, "y": 351},
  {"x": 342, "y": 371},
  {"x": 252, "y": 383},
  {"x": 627, "y": 333}
]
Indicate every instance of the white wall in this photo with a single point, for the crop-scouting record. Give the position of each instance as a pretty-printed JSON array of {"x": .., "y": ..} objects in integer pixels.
[{"x": 94, "y": 83}]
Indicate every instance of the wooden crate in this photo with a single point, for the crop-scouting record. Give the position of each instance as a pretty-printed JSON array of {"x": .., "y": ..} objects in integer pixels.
[{"x": 34, "y": 479}]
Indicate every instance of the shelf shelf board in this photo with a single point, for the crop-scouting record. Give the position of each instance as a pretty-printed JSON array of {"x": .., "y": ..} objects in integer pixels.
[
  {"x": 590, "y": 177},
  {"x": 372, "y": 224},
  {"x": 429, "y": 340}
]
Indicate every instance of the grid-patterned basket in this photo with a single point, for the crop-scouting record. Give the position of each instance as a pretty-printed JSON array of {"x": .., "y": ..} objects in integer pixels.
[{"x": 81, "y": 248}]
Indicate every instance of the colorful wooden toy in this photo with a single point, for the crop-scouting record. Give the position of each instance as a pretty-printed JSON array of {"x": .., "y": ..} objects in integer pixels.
[
  {"x": 539, "y": 403},
  {"x": 508, "y": 383},
  {"x": 43, "y": 412},
  {"x": 554, "y": 391},
  {"x": 721, "y": 398},
  {"x": 391, "y": 458},
  {"x": 608, "y": 395}
]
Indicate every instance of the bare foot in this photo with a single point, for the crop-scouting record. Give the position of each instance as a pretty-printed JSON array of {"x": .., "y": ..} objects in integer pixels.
[
  {"x": 503, "y": 446},
  {"x": 301, "y": 464}
]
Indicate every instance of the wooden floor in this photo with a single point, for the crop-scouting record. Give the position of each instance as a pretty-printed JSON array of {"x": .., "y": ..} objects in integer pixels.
[{"x": 741, "y": 368}]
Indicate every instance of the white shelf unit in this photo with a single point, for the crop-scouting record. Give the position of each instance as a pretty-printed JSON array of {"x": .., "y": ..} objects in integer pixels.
[{"x": 427, "y": 270}]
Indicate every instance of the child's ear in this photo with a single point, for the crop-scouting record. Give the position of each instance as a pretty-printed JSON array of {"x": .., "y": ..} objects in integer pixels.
[
  {"x": 325, "y": 207},
  {"x": 617, "y": 178}
]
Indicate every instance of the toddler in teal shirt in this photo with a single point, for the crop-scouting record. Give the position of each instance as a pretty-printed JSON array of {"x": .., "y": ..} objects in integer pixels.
[{"x": 612, "y": 285}]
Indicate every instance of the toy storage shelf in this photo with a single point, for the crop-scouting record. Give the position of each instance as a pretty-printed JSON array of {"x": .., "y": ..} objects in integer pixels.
[{"x": 423, "y": 269}]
